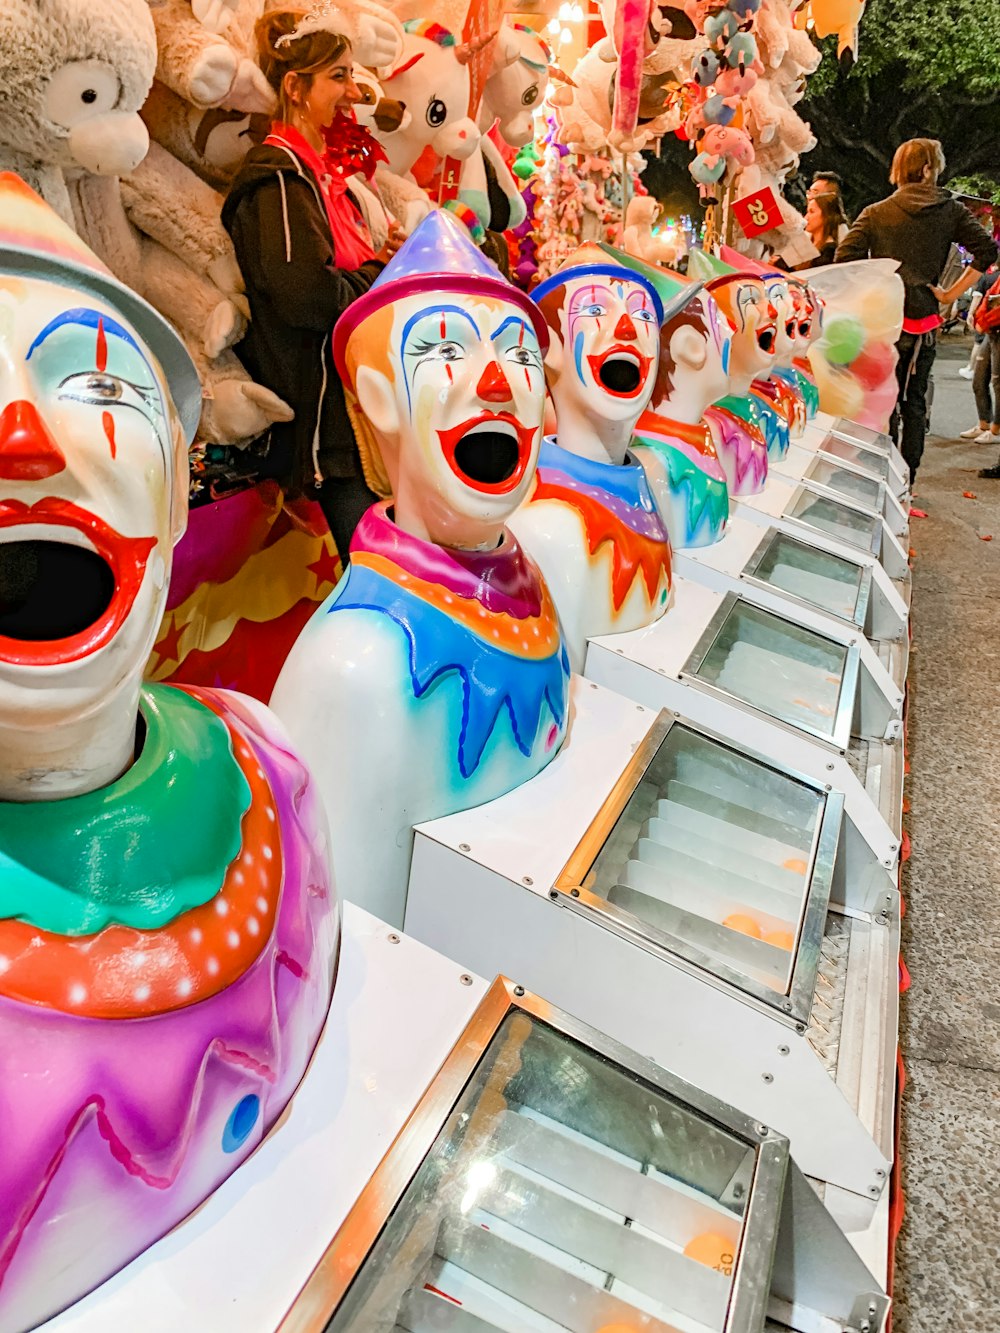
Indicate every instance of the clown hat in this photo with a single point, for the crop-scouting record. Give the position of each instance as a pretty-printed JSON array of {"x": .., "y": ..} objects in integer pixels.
[
  {"x": 437, "y": 257},
  {"x": 592, "y": 261},
  {"x": 675, "y": 290},
  {"x": 743, "y": 264},
  {"x": 36, "y": 243}
]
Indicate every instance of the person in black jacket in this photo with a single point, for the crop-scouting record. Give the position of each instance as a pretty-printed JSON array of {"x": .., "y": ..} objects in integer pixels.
[
  {"x": 917, "y": 225},
  {"x": 305, "y": 255}
]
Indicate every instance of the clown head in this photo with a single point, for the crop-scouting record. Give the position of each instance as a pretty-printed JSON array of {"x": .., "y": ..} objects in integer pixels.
[
  {"x": 93, "y": 495},
  {"x": 442, "y": 363},
  {"x": 779, "y": 294},
  {"x": 753, "y": 319},
  {"x": 604, "y": 324}
]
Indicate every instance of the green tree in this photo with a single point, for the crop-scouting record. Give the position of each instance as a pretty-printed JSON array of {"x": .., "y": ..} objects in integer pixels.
[{"x": 928, "y": 68}]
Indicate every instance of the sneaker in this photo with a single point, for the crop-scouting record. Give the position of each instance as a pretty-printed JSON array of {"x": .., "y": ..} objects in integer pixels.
[
  {"x": 987, "y": 437},
  {"x": 971, "y": 434},
  {"x": 966, "y": 372},
  {"x": 990, "y": 473}
]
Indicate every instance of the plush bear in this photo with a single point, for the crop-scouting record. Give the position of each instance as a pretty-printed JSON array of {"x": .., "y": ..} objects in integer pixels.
[
  {"x": 73, "y": 77},
  {"x": 205, "y": 67}
]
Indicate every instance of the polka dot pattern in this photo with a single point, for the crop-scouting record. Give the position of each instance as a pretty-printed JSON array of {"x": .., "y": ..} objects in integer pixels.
[{"x": 127, "y": 973}]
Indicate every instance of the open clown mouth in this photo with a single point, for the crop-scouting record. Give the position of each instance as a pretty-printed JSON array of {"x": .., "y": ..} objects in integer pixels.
[
  {"x": 805, "y": 328},
  {"x": 67, "y": 581},
  {"x": 489, "y": 452},
  {"x": 621, "y": 371},
  {"x": 766, "y": 338}
]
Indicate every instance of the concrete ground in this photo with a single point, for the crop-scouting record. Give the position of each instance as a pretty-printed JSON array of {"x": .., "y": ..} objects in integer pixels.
[{"x": 948, "y": 1257}]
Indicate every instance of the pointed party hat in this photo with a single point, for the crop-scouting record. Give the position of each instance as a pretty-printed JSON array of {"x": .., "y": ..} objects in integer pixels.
[
  {"x": 36, "y": 243},
  {"x": 437, "y": 257},
  {"x": 675, "y": 290},
  {"x": 591, "y": 261},
  {"x": 743, "y": 264},
  {"x": 709, "y": 268}
]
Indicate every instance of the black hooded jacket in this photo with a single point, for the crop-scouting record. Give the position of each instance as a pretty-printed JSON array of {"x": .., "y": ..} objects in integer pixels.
[
  {"x": 917, "y": 225},
  {"x": 275, "y": 214}
]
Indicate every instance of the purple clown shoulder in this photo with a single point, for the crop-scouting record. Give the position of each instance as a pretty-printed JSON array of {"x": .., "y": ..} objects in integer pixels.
[{"x": 169, "y": 928}]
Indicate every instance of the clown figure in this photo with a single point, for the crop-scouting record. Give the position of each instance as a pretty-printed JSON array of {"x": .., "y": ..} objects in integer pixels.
[
  {"x": 162, "y": 851},
  {"x": 781, "y": 393},
  {"x": 591, "y": 521},
  {"x": 434, "y": 677},
  {"x": 753, "y": 320},
  {"x": 672, "y": 441},
  {"x": 808, "y": 326}
]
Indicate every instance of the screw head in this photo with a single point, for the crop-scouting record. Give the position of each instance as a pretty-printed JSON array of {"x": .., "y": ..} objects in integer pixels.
[
  {"x": 518, "y": 991},
  {"x": 465, "y": 979},
  {"x": 829, "y": 768},
  {"x": 554, "y": 895},
  {"x": 393, "y": 938},
  {"x": 592, "y": 685},
  {"x": 768, "y": 1078},
  {"x": 574, "y": 893},
  {"x": 464, "y": 847},
  {"x": 527, "y": 880},
  {"x": 800, "y": 1027},
  {"x": 639, "y": 708},
  {"x": 784, "y": 1050},
  {"x": 762, "y": 1130}
]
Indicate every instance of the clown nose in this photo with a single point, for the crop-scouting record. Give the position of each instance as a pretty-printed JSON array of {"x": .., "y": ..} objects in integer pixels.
[
  {"x": 493, "y": 386},
  {"x": 27, "y": 450},
  {"x": 625, "y": 329}
]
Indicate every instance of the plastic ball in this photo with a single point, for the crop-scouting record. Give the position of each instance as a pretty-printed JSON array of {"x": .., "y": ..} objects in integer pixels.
[
  {"x": 880, "y": 314},
  {"x": 780, "y": 939},
  {"x": 744, "y": 925},
  {"x": 875, "y": 365},
  {"x": 841, "y": 396},
  {"x": 713, "y": 1250},
  {"x": 843, "y": 339}
]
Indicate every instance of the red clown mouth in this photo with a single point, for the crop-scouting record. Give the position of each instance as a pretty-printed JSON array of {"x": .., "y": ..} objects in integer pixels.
[
  {"x": 489, "y": 452},
  {"x": 766, "y": 335},
  {"x": 63, "y": 598},
  {"x": 621, "y": 371}
]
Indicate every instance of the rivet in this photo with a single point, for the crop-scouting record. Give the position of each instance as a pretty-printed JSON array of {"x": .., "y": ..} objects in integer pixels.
[
  {"x": 830, "y": 767},
  {"x": 465, "y": 979},
  {"x": 784, "y": 1050},
  {"x": 518, "y": 991},
  {"x": 527, "y": 880},
  {"x": 393, "y": 939},
  {"x": 592, "y": 685},
  {"x": 464, "y": 847},
  {"x": 800, "y": 1027},
  {"x": 828, "y": 787},
  {"x": 554, "y": 894},
  {"x": 574, "y": 893},
  {"x": 762, "y": 1130},
  {"x": 768, "y": 1078},
  {"x": 880, "y": 1173}
]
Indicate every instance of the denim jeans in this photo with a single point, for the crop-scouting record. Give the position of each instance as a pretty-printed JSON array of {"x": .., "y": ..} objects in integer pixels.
[{"x": 986, "y": 368}]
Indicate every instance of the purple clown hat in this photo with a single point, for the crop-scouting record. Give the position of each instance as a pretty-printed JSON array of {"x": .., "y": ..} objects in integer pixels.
[{"x": 437, "y": 257}]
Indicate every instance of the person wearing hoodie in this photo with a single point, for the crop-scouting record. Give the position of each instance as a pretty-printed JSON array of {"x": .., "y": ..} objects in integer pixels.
[
  {"x": 305, "y": 255},
  {"x": 917, "y": 225}
]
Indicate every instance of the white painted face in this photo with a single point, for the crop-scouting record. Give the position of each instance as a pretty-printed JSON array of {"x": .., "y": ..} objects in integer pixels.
[
  {"x": 610, "y": 348},
  {"x": 459, "y": 423},
  {"x": 779, "y": 295},
  {"x": 92, "y": 498},
  {"x": 753, "y": 319}
]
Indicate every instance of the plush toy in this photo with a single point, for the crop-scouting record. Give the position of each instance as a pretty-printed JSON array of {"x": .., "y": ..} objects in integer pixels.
[
  {"x": 638, "y": 238},
  {"x": 517, "y": 86},
  {"x": 841, "y": 17},
  {"x": 706, "y": 69},
  {"x": 205, "y": 67},
  {"x": 74, "y": 76},
  {"x": 725, "y": 141}
]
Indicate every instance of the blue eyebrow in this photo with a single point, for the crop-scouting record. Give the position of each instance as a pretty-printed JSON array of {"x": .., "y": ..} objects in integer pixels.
[
  {"x": 511, "y": 319},
  {"x": 88, "y": 319},
  {"x": 428, "y": 313}
]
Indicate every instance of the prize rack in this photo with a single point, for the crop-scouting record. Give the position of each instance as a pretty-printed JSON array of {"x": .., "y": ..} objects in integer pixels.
[
  {"x": 706, "y": 904},
  {"x": 551, "y": 1180}
]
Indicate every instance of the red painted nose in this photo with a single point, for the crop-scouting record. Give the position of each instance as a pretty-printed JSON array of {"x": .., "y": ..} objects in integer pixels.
[
  {"x": 772, "y": 312},
  {"x": 625, "y": 330},
  {"x": 493, "y": 386},
  {"x": 27, "y": 450}
]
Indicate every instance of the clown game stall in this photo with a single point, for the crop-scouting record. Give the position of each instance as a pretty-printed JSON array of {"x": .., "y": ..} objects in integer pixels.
[{"x": 546, "y": 1179}]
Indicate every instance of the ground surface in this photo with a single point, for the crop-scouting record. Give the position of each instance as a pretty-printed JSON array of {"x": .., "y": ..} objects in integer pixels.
[{"x": 948, "y": 1258}]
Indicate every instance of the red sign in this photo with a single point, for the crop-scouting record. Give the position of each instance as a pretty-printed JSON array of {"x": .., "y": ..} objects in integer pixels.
[{"x": 757, "y": 212}]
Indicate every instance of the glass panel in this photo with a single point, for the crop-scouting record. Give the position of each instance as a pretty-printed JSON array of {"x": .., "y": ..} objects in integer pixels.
[
  {"x": 865, "y": 490},
  {"x": 850, "y": 452},
  {"x": 561, "y": 1193},
  {"x": 787, "y": 671},
  {"x": 817, "y": 577},
  {"x": 853, "y": 430},
  {"x": 849, "y": 525},
  {"x": 716, "y": 850}
]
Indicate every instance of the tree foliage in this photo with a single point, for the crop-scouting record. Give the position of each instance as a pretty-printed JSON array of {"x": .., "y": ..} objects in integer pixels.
[{"x": 925, "y": 68}]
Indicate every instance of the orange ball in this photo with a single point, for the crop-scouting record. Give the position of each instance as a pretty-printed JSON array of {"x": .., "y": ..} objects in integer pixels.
[
  {"x": 713, "y": 1250},
  {"x": 781, "y": 939},
  {"x": 746, "y": 925}
]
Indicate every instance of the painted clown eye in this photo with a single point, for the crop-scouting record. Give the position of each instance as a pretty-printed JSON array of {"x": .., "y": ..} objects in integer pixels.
[
  {"x": 437, "y": 112},
  {"x": 523, "y": 356},
  {"x": 645, "y": 315},
  {"x": 102, "y": 390},
  {"x": 594, "y": 311}
]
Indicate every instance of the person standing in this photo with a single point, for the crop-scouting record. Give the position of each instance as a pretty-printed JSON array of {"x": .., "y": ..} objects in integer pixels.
[
  {"x": 305, "y": 255},
  {"x": 824, "y": 223},
  {"x": 980, "y": 369},
  {"x": 917, "y": 226},
  {"x": 829, "y": 185}
]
